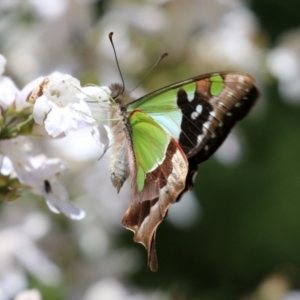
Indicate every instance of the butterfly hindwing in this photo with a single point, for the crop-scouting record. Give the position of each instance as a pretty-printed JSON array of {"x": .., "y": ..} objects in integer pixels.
[{"x": 161, "y": 170}]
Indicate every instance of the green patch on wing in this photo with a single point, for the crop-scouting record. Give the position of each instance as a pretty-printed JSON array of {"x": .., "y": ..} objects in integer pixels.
[
  {"x": 217, "y": 85},
  {"x": 165, "y": 101},
  {"x": 163, "y": 108},
  {"x": 190, "y": 89},
  {"x": 150, "y": 143}
]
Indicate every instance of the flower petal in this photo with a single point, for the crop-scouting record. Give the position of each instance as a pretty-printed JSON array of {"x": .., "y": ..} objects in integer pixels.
[
  {"x": 40, "y": 110},
  {"x": 8, "y": 92},
  {"x": 57, "y": 200}
]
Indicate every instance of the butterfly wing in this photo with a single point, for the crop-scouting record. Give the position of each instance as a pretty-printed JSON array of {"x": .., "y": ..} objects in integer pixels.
[
  {"x": 161, "y": 170},
  {"x": 173, "y": 130},
  {"x": 200, "y": 112},
  {"x": 235, "y": 112}
]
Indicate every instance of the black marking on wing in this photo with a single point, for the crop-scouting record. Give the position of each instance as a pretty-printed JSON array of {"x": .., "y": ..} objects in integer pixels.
[
  {"x": 191, "y": 129},
  {"x": 237, "y": 113}
]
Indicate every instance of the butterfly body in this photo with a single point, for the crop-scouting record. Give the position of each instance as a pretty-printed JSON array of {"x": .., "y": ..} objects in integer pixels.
[
  {"x": 159, "y": 140},
  {"x": 121, "y": 146}
]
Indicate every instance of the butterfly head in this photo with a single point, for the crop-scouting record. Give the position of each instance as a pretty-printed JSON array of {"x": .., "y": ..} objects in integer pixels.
[{"x": 119, "y": 95}]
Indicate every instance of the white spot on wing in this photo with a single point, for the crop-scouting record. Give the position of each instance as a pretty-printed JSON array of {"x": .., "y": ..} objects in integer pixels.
[
  {"x": 199, "y": 139},
  {"x": 199, "y": 108},
  {"x": 220, "y": 103},
  {"x": 190, "y": 98},
  {"x": 213, "y": 113},
  {"x": 194, "y": 115},
  {"x": 241, "y": 79}
]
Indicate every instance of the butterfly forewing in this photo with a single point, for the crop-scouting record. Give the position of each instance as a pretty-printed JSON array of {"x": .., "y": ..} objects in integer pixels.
[
  {"x": 191, "y": 111},
  {"x": 234, "y": 114}
]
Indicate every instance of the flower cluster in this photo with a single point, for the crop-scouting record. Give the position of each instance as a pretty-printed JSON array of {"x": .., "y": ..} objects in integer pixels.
[{"x": 52, "y": 106}]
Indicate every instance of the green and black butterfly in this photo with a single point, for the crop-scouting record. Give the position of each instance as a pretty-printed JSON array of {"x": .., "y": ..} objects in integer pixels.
[{"x": 159, "y": 140}]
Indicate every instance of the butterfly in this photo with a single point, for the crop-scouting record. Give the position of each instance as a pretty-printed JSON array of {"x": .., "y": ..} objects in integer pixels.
[{"x": 159, "y": 139}]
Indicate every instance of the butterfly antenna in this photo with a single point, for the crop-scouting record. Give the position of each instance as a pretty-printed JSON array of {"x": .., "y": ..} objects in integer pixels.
[
  {"x": 115, "y": 53},
  {"x": 146, "y": 75}
]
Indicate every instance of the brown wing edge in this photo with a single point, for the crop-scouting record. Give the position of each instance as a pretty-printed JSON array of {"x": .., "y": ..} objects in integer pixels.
[{"x": 149, "y": 207}]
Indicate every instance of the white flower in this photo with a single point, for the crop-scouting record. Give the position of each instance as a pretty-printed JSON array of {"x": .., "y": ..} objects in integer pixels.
[
  {"x": 29, "y": 295},
  {"x": 40, "y": 173},
  {"x": 8, "y": 92},
  {"x": 20, "y": 255},
  {"x": 98, "y": 94},
  {"x": 97, "y": 97},
  {"x": 2, "y": 64},
  {"x": 30, "y": 92},
  {"x": 6, "y": 167},
  {"x": 59, "y": 108}
]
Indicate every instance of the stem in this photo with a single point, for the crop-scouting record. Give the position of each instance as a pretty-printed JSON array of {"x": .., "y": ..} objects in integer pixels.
[{"x": 11, "y": 132}]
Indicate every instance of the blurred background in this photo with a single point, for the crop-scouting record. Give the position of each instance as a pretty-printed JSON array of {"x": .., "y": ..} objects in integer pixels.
[{"x": 237, "y": 236}]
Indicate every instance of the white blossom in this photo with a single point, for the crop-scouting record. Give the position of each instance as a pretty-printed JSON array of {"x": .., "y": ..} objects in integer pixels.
[
  {"x": 40, "y": 174},
  {"x": 10, "y": 95},
  {"x": 2, "y": 64},
  {"x": 8, "y": 92},
  {"x": 97, "y": 97},
  {"x": 6, "y": 167},
  {"x": 30, "y": 91},
  {"x": 60, "y": 109},
  {"x": 33, "y": 294},
  {"x": 20, "y": 255}
]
